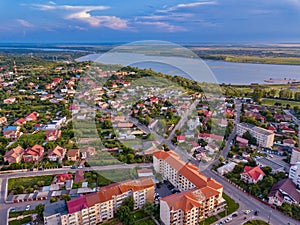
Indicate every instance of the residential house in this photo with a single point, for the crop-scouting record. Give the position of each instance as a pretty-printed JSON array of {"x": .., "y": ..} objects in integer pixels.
[
  {"x": 34, "y": 153},
  {"x": 12, "y": 132},
  {"x": 87, "y": 152},
  {"x": 9, "y": 100},
  {"x": 20, "y": 122},
  {"x": 73, "y": 155},
  {"x": 284, "y": 191},
  {"x": 3, "y": 121},
  {"x": 180, "y": 139},
  {"x": 32, "y": 117},
  {"x": 14, "y": 155},
  {"x": 289, "y": 142},
  {"x": 58, "y": 153},
  {"x": 226, "y": 168},
  {"x": 52, "y": 135},
  {"x": 252, "y": 174},
  {"x": 79, "y": 176}
]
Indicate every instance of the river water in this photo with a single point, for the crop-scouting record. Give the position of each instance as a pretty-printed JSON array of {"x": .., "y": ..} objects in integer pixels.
[{"x": 224, "y": 72}]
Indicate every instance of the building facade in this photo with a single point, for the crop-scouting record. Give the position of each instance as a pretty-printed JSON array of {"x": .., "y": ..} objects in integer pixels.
[
  {"x": 294, "y": 174},
  {"x": 101, "y": 206},
  {"x": 295, "y": 156},
  {"x": 265, "y": 138},
  {"x": 201, "y": 197}
]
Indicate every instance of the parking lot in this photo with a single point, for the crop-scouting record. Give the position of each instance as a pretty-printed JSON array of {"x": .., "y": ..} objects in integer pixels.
[{"x": 164, "y": 189}]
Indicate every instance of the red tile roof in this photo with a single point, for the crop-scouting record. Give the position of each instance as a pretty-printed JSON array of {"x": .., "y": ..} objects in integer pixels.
[
  {"x": 253, "y": 172},
  {"x": 77, "y": 204}
]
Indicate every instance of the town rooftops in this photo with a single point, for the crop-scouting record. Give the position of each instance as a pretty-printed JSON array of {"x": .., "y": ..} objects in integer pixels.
[
  {"x": 55, "y": 208},
  {"x": 253, "y": 172},
  {"x": 184, "y": 201},
  {"x": 77, "y": 204},
  {"x": 285, "y": 186},
  {"x": 270, "y": 163}
]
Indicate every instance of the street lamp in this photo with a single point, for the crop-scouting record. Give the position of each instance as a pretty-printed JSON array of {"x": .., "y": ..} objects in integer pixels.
[{"x": 226, "y": 210}]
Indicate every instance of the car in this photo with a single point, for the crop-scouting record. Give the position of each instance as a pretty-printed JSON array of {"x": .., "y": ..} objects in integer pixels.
[
  {"x": 13, "y": 209},
  {"x": 73, "y": 167},
  {"x": 27, "y": 207},
  {"x": 256, "y": 213},
  {"x": 234, "y": 215},
  {"x": 228, "y": 219},
  {"x": 79, "y": 167}
]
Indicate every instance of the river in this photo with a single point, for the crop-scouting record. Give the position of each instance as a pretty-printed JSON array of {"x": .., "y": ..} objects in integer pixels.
[{"x": 224, "y": 72}]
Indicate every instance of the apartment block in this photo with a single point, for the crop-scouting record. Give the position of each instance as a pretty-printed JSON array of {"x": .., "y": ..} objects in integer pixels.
[
  {"x": 201, "y": 197},
  {"x": 294, "y": 174},
  {"x": 265, "y": 138},
  {"x": 101, "y": 206},
  {"x": 295, "y": 156}
]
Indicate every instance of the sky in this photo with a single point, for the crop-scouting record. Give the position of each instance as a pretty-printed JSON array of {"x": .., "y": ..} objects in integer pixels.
[{"x": 189, "y": 21}]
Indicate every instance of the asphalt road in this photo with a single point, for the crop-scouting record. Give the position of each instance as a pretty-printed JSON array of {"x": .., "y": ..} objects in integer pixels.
[{"x": 248, "y": 202}]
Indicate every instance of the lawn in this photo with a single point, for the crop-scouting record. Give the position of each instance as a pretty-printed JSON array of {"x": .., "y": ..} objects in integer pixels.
[
  {"x": 145, "y": 222},
  {"x": 232, "y": 206},
  {"x": 26, "y": 219},
  {"x": 256, "y": 222},
  {"x": 19, "y": 213},
  {"x": 117, "y": 175},
  {"x": 209, "y": 220},
  {"x": 271, "y": 102},
  {"x": 29, "y": 182}
]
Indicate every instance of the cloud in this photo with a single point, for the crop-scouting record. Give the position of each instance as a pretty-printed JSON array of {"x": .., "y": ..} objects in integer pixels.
[
  {"x": 163, "y": 26},
  {"x": 186, "y": 5},
  {"x": 25, "y": 23},
  {"x": 83, "y": 14}
]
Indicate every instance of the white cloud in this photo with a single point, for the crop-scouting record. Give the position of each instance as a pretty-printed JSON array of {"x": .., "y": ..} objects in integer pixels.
[
  {"x": 186, "y": 5},
  {"x": 83, "y": 14},
  {"x": 163, "y": 26},
  {"x": 25, "y": 23}
]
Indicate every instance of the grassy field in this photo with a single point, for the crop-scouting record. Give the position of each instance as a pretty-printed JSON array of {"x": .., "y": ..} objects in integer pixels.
[
  {"x": 257, "y": 59},
  {"x": 28, "y": 182},
  {"x": 209, "y": 220},
  {"x": 26, "y": 219},
  {"x": 256, "y": 222},
  {"x": 232, "y": 206},
  {"x": 118, "y": 175},
  {"x": 271, "y": 102}
]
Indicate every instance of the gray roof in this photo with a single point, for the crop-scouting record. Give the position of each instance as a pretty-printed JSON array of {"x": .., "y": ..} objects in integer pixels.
[
  {"x": 55, "y": 208},
  {"x": 270, "y": 163}
]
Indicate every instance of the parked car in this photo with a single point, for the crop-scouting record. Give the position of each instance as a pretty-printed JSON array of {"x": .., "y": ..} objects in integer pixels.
[
  {"x": 234, "y": 215},
  {"x": 13, "y": 209}
]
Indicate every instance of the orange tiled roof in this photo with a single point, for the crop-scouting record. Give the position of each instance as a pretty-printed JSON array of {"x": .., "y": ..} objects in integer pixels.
[{"x": 184, "y": 201}]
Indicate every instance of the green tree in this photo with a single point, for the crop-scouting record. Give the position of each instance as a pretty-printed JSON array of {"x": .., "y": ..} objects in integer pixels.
[
  {"x": 39, "y": 210},
  {"x": 129, "y": 202},
  {"x": 124, "y": 214}
]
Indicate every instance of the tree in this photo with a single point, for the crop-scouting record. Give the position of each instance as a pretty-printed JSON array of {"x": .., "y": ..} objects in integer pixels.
[
  {"x": 149, "y": 208},
  {"x": 257, "y": 94},
  {"x": 124, "y": 214},
  {"x": 39, "y": 210},
  {"x": 53, "y": 199},
  {"x": 221, "y": 159},
  {"x": 129, "y": 202},
  {"x": 66, "y": 197}
]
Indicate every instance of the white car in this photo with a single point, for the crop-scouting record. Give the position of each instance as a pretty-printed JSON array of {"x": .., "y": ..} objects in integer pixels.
[{"x": 27, "y": 207}]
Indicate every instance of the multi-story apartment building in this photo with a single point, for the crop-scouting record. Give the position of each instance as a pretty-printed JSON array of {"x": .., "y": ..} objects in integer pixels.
[
  {"x": 265, "y": 138},
  {"x": 294, "y": 174},
  {"x": 101, "y": 206},
  {"x": 295, "y": 156},
  {"x": 200, "y": 196}
]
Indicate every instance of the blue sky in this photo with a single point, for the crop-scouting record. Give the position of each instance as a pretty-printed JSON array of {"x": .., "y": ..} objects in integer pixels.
[{"x": 206, "y": 21}]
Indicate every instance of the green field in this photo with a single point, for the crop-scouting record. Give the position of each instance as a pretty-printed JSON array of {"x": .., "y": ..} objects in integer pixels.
[
  {"x": 256, "y": 222},
  {"x": 232, "y": 206},
  {"x": 271, "y": 102},
  {"x": 209, "y": 220},
  {"x": 29, "y": 182}
]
